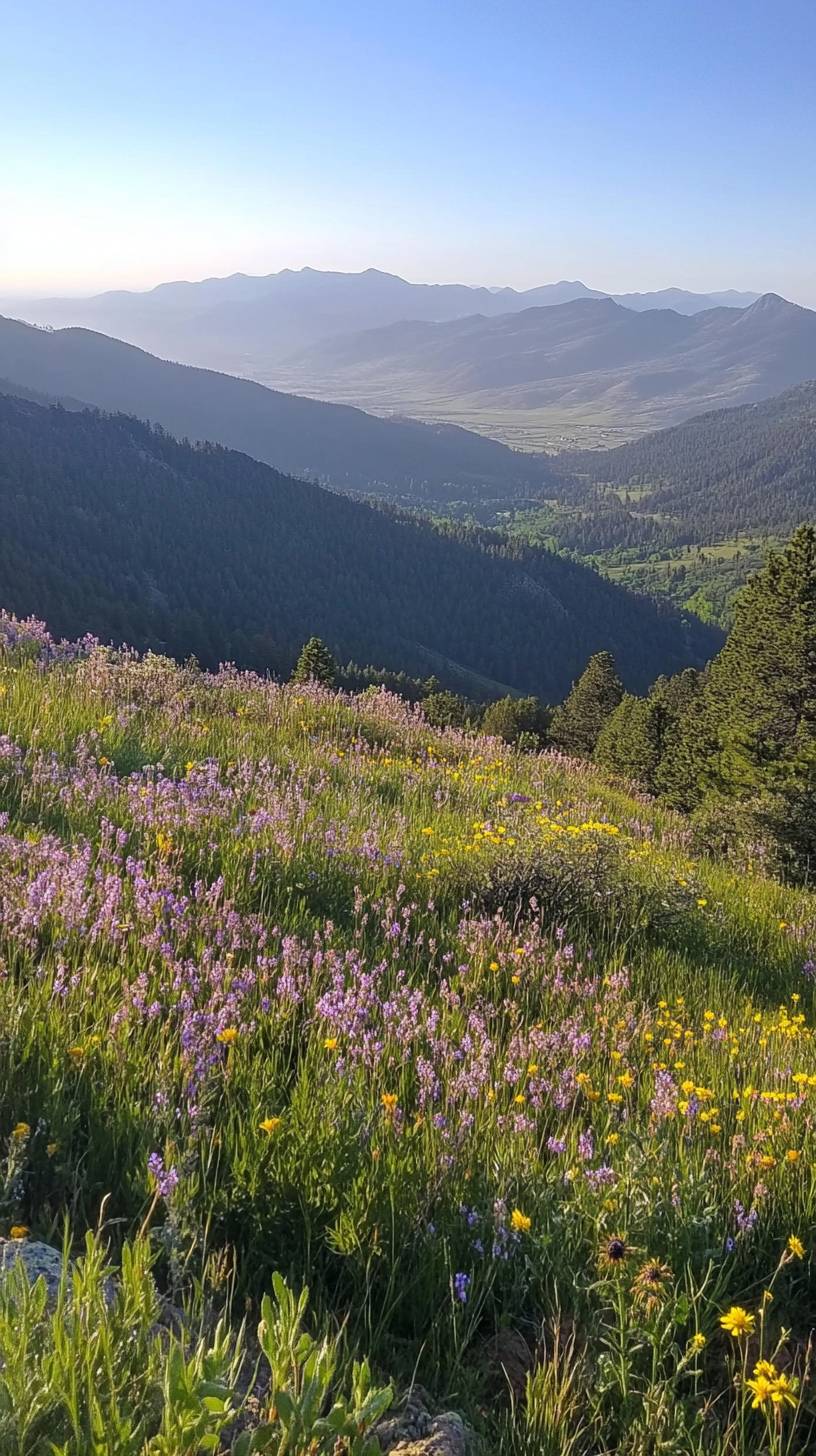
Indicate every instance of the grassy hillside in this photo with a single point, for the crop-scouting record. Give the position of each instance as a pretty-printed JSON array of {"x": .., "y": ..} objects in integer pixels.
[{"x": 472, "y": 1042}]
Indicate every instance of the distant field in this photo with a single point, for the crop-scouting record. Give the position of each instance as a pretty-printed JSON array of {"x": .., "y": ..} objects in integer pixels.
[{"x": 549, "y": 430}]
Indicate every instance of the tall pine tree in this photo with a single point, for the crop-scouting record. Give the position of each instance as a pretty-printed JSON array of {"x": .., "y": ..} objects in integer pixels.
[
  {"x": 577, "y": 723},
  {"x": 752, "y": 735},
  {"x": 315, "y": 664}
]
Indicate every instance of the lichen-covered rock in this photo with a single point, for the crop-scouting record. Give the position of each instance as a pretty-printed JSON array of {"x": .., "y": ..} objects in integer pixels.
[
  {"x": 409, "y": 1421},
  {"x": 446, "y": 1436},
  {"x": 38, "y": 1259}
]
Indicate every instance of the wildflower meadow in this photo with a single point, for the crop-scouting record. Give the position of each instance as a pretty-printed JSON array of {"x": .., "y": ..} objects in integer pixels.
[{"x": 298, "y": 991}]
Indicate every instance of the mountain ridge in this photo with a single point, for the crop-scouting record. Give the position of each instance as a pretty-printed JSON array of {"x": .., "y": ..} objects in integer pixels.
[
  {"x": 588, "y": 358},
  {"x": 246, "y": 324}
]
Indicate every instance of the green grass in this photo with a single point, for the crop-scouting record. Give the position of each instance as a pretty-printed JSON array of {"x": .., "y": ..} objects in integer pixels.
[{"x": 391, "y": 1007}]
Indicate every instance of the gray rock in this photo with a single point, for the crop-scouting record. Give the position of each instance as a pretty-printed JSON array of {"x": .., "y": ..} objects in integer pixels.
[
  {"x": 446, "y": 1436},
  {"x": 39, "y": 1261}
]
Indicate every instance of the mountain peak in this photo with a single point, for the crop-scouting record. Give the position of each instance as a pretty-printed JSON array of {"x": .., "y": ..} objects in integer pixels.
[{"x": 772, "y": 303}]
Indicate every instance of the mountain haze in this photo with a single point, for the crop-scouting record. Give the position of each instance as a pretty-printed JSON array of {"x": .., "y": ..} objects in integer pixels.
[
  {"x": 589, "y": 359},
  {"x": 247, "y": 325}
]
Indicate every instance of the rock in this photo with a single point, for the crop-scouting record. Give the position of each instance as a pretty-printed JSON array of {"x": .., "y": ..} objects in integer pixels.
[
  {"x": 446, "y": 1436},
  {"x": 39, "y": 1261},
  {"x": 411, "y": 1420}
]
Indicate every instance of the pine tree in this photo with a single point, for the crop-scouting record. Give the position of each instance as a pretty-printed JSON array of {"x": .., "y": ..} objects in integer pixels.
[
  {"x": 752, "y": 735},
  {"x": 628, "y": 742},
  {"x": 639, "y": 738},
  {"x": 577, "y": 723},
  {"x": 315, "y": 664}
]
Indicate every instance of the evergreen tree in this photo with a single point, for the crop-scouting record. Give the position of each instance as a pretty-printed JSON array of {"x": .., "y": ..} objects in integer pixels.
[
  {"x": 752, "y": 736},
  {"x": 315, "y": 664},
  {"x": 577, "y": 723},
  {"x": 639, "y": 738},
  {"x": 628, "y": 741}
]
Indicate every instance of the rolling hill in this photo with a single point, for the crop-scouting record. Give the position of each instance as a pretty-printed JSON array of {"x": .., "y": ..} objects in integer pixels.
[
  {"x": 589, "y": 359},
  {"x": 111, "y": 526},
  {"x": 246, "y": 325},
  {"x": 340, "y": 445}
]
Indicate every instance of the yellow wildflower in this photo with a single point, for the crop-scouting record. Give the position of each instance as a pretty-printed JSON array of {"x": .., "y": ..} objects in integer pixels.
[
  {"x": 269, "y": 1124},
  {"x": 520, "y": 1222},
  {"x": 762, "y": 1390},
  {"x": 18, "y": 1231},
  {"x": 737, "y": 1322},
  {"x": 796, "y": 1247},
  {"x": 228, "y": 1035}
]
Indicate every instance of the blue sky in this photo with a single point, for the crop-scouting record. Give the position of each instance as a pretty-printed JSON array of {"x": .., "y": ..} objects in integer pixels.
[{"x": 633, "y": 145}]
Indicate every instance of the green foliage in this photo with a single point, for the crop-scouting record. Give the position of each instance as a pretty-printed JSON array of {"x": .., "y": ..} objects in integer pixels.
[
  {"x": 752, "y": 735},
  {"x": 639, "y": 739},
  {"x": 302, "y": 1370},
  {"x": 447, "y": 710},
  {"x": 93, "y": 1372},
  {"x": 522, "y": 721},
  {"x": 315, "y": 664},
  {"x": 577, "y": 723}
]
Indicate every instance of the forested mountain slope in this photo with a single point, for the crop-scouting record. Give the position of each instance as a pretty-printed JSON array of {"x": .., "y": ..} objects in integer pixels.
[
  {"x": 113, "y": 527},
  {"x": 335, "y": 443},
  {"x": 746, "y": 469}
]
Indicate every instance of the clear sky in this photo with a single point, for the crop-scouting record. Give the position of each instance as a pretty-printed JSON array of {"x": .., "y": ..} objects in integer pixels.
[{"x": 630, "y": 143}]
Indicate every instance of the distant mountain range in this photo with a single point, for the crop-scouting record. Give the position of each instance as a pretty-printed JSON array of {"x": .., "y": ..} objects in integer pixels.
[
  {"x": 113, "y": 527},
  {"x": 248, "y": 325},
  {"x": 339, "y": 445},
  {"x": 589, "y": 359}
]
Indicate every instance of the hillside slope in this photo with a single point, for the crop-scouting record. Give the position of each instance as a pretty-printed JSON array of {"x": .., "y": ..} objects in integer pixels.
[
  {"x": 344, "y": 446},
  {"x": 110, "y": 526},
  {"x": 752, "y": 468},
  {"x": 462, "y": 1038}
]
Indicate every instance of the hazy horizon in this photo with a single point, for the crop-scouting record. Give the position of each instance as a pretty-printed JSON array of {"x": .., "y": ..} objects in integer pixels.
[
  {"x": 620, "y": 145},
  {"x": 44, "y": 293}
]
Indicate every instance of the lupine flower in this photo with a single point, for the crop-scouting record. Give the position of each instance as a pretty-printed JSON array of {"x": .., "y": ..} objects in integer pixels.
[{"x": 461, "y": 1284}]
